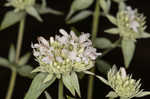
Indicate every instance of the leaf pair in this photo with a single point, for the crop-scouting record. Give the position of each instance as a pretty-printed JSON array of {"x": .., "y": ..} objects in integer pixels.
[
  {"x": 71, "y": 82},
  {"x": 21, "y": 67},
  {"x": 37, "y": 86},
  {"x": 78, "y": 5}
]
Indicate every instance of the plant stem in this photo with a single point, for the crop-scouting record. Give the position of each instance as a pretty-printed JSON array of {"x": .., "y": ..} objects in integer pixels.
[
  {"x": 60, "y": 91},
  {"x": 18, "y": 49},
  {"x": 94, "y": 33},
  {"x": 111, "y": 98}
]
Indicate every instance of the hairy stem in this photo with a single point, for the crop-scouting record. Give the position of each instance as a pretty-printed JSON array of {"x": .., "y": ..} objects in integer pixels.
[
  {"x": 60, "y": 90},
  {"x": 18, "y": 49},
  {"x": 94, "y": 33}
]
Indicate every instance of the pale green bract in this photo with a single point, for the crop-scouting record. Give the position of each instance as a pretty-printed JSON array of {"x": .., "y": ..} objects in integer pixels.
[{"x": 124, "y": 85}]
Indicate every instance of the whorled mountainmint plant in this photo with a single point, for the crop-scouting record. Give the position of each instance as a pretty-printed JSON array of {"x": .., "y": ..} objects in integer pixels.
[
  {"x": 63, "y": 56},
  {"x": 124, "y": 85}
]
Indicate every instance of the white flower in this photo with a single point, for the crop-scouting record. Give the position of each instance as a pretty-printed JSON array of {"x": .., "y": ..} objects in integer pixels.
[{"x": 65, "y": 53}]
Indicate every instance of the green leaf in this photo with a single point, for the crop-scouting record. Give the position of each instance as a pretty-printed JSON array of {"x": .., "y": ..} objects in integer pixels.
[
  {"x": 103, "y": 66},
  {"x": 103, "y": 43},
  {"x": 47, "y": 10},
  {"x": 26, "y": 71},
  {"x": 12, "y": 54},
  {"x": 112, "y": 19},
  {"x": 33, "y": 12},
  {"x": 128, "y": 48},
  {"x": 144, "y": 35},
  {"x": 142, "y": 94},
  {"x": 11, "y": 18},
  {"x": 112, "y": 94},
  {"x": 67, "y": 80},
  {"x": 48, "y": 78},
  {"x": 112, "y": 31},
  {"x": 4, "y": 62},
  {"x": 37, "y": 86},
  {"x": 79, "y": 5},
  {"x": 80, "y": 16},
  {"x": 105, "y": 5},
  {"x": 47, "y": 95},
  {"x": 24, "y": 59},
  {"x": 75, "y": 83}
]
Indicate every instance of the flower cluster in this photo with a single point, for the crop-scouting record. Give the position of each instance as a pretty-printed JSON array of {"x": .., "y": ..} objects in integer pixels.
[
  {"x": 64, "y": 54},
  {"x": 123, "y": 84},
  {"x": 130, "y": 23},
  {"x": 20, "y": 4}
]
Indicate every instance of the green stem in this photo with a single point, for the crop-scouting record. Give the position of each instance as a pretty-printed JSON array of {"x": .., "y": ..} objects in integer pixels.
[
  {"x": 94, "y": 33},
  {"x": 60, "y": 91},
  {"x": 111, "y": 98},
  {"x": 18, "y": 49}
]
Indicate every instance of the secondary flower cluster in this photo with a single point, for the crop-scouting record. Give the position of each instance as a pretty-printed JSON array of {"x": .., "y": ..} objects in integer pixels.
[
  {"x": 123, "y": 84},
  {"x": 64, "y": 54},
  {"x": 130, "y": 23},
  {"x": 20, "y": 4}
]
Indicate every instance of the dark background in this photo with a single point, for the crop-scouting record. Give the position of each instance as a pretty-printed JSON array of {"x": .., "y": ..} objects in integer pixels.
[{"x": 140, "y": 66}]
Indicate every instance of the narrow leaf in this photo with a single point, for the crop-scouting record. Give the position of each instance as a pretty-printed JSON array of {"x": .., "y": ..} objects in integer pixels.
[
  {"x": 75, "y": 83},
  {"x": 33, "y": 12},
  {"x": 128, "y": 48},
  {"x": 11, "y": 55},
  {"x": 47, "y": 10},
  {"x": 25, "y": 71},
  {"x": 48, "y": 78},
  {"x": 11, "y": 18},
  {"x": 24, "y": 59},
  {"x": 80, "y": 16},
  {"x": 79, "y": 5},
  {"x": 105, "y": 5},
  {"x": 37, "y": 86},
  {"x": 4, "y": 62},
  {"x": 47, "y": 95},
  {"x": 142, "y": 94},
  {"x": 112, "y": 31},
  {"x": 67, "y": 80},
  {"x": 112, "y": 94},
  {"x": 103, "y": 43},
  {"x": 112, "y": 19},
  {"x": 102, "y": 66},
  {"x": 144, "y": 35}
]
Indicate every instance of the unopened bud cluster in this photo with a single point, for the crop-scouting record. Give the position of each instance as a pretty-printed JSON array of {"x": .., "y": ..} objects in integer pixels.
[
  {"x": 64, "y": 54},
  {"x": 130, "y": 23},
  {"x": 20, "y": 4},
  {"x": 123, "y": 84}
]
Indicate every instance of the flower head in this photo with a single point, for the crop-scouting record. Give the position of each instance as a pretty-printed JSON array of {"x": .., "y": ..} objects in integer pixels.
[
  {"x": 64, "y": 54},
  {"x": 130, "y": 23},
  {"x": 123, "y": 84}
]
